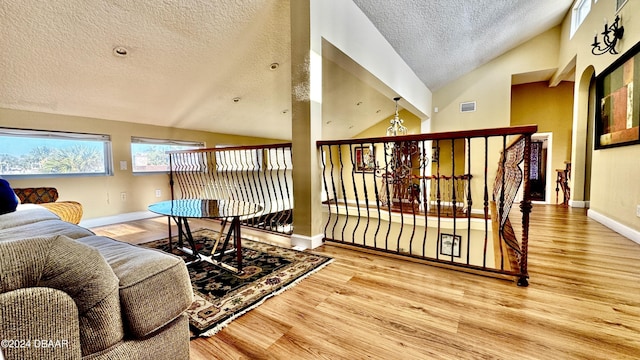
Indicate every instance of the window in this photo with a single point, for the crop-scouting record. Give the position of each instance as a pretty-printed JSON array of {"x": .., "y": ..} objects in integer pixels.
[
  {"x": 149, "y": 155},
  {"x": 620, "y": 4},
  {"x": 26, "y": 153},
  {"x": 578, "y": 14}
]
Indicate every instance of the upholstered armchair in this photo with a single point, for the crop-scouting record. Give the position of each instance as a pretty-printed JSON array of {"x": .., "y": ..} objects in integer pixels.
[{"x": 69, "y": 211}]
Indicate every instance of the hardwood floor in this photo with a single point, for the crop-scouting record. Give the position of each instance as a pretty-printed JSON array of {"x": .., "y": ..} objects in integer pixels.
[{"x": 583, "y": 302}]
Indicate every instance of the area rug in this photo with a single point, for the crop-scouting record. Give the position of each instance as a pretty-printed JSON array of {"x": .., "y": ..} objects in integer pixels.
[{"x": 221, "y": 296}]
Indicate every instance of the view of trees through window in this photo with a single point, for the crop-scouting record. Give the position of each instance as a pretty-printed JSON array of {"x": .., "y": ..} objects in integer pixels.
[
  {"x": 20, "y": 155},
  {"x": 149, "y": 155}
]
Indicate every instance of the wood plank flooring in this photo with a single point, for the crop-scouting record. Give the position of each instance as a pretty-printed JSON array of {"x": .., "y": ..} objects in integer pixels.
[{"x": 583, "y": 302}]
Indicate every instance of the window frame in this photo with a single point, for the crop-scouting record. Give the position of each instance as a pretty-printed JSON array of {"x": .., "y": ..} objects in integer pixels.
[
  {"x": 161, "y": 142},
  {"x": 620, "y": 4},
  {"x": 579, "y": 13},
  {"x": 66, "y": 136}
]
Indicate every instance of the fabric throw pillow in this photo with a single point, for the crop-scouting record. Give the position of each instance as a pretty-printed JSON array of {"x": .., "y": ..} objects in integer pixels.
[{"x": 8, "y": 198}]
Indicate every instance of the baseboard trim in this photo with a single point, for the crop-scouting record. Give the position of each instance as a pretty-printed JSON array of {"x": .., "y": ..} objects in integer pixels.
[
  {"x": 624, "y": 230},
  {"x": 115, "y": 219},
  {"x": 302, "y": 242},
  {"x": 579, "y": 204}
]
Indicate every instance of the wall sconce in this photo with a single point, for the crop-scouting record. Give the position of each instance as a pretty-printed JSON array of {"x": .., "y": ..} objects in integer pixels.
[{"x": 610, "y": 37}]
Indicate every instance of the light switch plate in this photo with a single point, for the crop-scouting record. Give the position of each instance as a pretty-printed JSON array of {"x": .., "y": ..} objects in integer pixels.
[{"x": 123, "y": 165}]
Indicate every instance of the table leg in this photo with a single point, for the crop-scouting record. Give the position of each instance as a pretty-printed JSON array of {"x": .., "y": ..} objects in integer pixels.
[
  {"x": 234, "y": 230},
  {"x": 238, "y": 243},
  {"x": 178, "y": 222},
  {"x": 189, "y": 237},
  {"x": 170, "y": 236},
  {"x": 226, "y": 242},
  {"x": 184, "y": 231}
]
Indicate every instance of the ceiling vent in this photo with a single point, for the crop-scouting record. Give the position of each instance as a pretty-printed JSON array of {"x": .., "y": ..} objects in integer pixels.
[{"x": 468, "y": 106}]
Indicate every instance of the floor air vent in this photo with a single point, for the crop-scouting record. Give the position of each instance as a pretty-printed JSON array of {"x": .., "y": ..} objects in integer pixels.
[{"x": 468, "y": 106}]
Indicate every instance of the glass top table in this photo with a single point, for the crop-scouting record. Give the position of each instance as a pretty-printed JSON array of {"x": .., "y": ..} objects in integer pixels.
[
  {"x": 205, "y": 208},
  {"x": 183, "y": 209}
]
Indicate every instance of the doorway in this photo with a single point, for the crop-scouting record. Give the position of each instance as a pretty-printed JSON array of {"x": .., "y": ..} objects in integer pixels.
[{"x": 540, "y": 174}]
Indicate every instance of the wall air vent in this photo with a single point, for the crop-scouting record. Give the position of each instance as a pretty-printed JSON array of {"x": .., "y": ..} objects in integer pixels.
[{"x": 468, "y": 106}]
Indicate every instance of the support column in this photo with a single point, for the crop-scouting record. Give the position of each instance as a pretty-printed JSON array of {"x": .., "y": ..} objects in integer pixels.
[{"x": 306, "y": 113}]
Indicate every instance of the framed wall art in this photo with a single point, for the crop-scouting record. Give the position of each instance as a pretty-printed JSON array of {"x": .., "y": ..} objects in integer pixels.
[
  {"x": 450, "y": 245},
  {"x": 365, "y": 158},
  {"x": 618, "y": 102}
]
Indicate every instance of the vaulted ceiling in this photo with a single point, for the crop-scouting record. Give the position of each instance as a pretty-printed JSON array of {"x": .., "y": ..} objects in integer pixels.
[{"x": 224, "y": 65}]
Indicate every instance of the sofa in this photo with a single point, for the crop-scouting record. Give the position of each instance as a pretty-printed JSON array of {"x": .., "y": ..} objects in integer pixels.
[{"x": 66, "y": 293}]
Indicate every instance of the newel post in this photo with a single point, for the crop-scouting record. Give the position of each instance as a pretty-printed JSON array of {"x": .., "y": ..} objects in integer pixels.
[{"x": 525, "y": 208}]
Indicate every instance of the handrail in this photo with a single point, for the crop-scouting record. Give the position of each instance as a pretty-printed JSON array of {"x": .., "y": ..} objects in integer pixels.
[
  {"x": 229, "y": 148},
  {"x": 449, "y": 135}
]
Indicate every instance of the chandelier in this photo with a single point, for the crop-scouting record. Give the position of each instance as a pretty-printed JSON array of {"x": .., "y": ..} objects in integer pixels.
[{"x": 396, "y": 128}]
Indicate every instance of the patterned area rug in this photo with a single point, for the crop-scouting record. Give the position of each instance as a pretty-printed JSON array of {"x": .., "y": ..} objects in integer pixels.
[{"x": 221, "y": 296}]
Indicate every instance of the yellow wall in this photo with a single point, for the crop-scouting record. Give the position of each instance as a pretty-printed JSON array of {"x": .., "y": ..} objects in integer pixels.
[
  {"x": 411, "y": 121},
  {"x": 444, "y": 164},
  {"x": 613, "y": 190},
  {"x": 551, "y": 109},
  {"x": 490, "y": 86},
  {"x": 100, "y": 195}
]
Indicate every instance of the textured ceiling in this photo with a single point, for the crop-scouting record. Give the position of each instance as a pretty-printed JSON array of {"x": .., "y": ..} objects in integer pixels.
[
  {"x": 189, "y": 59},
  {"x": 444, "y": 39}
]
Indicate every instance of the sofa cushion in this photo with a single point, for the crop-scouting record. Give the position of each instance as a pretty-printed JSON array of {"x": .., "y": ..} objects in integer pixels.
[
  {"x": 25, "y": 214},
  {"x": 44, "y": 228},
  {"x": 154, "y": 286},
  {"x": 74, "y": 268}
]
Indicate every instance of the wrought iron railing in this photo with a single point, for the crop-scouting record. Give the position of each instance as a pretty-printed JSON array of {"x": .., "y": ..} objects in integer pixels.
[
  {"x": 257, "y": 174},
  {"x": 427, "y": 197}
]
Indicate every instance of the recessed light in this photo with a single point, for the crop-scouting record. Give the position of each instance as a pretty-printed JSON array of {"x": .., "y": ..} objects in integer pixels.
[
  {"x": 120, "y": 51},
  {"x": 274, "y": 66},
  {"x": 359, "y": 103},
  {"x": 236, "y": 99},
  {"x": 328, "y": 122},
  {"x": 285, "y": 111},
  {"x": 378, "y": 111}
]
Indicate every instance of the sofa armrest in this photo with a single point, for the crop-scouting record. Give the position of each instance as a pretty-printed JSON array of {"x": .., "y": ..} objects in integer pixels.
[
  {"x": 75, "y": 269},
  {"x": 155, "y": 287},
  {"x": 39, "y": 323},
  {"x": 69, "y": 211}
]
